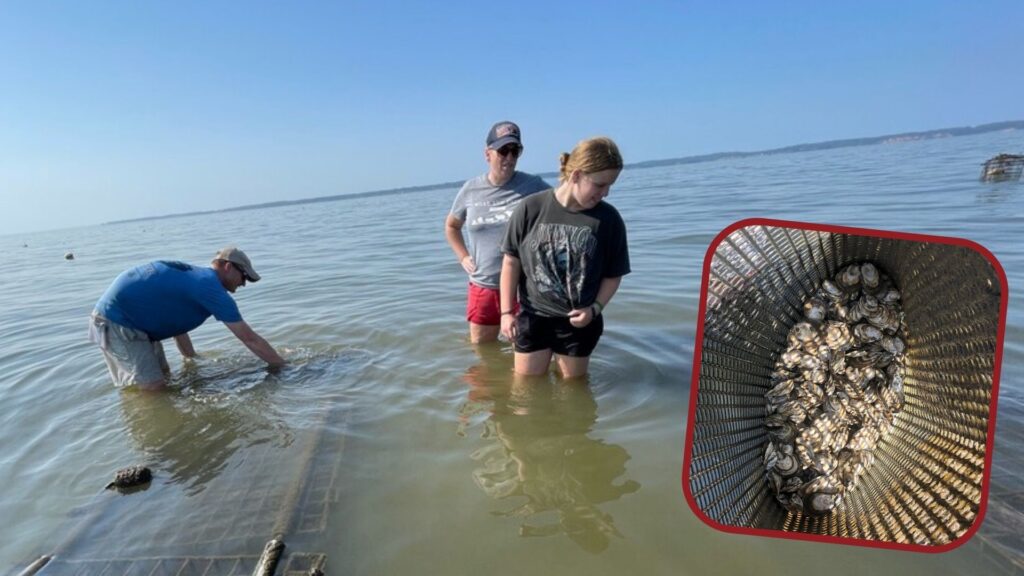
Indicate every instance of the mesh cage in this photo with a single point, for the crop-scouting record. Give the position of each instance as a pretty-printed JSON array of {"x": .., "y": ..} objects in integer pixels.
[
  {"x": 272, "y": 491},
  {"x": 1002, "y": 168},
  {"x": 926, "y": 485}
]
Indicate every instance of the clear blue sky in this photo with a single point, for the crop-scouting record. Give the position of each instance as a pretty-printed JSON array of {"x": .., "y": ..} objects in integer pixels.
[{"x": 112, "y": 110}]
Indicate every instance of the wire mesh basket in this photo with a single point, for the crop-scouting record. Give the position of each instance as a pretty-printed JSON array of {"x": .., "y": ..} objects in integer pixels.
[
  {"x": 1002, "y": 168},
  {"x": 927, "y": 484}
]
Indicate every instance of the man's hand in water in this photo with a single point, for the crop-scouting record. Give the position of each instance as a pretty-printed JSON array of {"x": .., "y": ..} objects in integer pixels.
[
  {"x": 255, "y": 343},
  {"x": 581, "y": 316}
]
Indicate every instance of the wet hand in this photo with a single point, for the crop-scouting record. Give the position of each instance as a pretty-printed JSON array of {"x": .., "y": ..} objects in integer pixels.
[
  {"x": 581, "y": 316},
  {"x": 467, "y": 264},
  {"x": 508, "y": 326}
]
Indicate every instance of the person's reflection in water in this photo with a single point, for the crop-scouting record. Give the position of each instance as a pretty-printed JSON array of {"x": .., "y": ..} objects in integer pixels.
[
  {"x": 542, "y": 454},
  {"x": 191, "y": 435}
]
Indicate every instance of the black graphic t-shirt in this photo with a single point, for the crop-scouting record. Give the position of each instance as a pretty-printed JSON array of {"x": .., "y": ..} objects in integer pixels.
[{"x": 564, "y": 254}]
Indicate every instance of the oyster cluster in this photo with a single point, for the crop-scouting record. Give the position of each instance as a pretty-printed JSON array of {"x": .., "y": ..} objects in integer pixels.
[
  {"x": 130, "y": 477},
  {"x": 835, "y": 390}
]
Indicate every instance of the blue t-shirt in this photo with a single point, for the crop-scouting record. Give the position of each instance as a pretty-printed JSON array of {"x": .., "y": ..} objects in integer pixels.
[{"x": 165, "y": 299}]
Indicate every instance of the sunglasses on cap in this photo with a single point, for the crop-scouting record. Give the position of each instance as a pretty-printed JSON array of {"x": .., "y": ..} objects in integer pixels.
[{"x": 512, "y": 149}]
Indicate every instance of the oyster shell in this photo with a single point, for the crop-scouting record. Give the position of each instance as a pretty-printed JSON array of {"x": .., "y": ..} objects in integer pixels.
[
  {"x": 869, "y": 276},
  {"x": 832, "y": 292},
  {"x": 815, "y": 310},
  {"x": 866, "y": 333},
  {"x": 848, "y": 279}
]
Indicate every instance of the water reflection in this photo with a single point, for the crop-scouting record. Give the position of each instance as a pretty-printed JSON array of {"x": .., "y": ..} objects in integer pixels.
[
  {"x": 995, "y": 193},
  {"x": 190, "y": 432},
  {"x": 540, "y": 455}
]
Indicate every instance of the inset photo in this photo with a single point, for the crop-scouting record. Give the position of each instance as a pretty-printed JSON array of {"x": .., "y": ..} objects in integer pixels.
[{"x": 844, "y": 385}]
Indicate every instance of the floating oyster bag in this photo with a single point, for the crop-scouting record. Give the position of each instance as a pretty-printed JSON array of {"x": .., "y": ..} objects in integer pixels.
[{"x": 823, "y": 408}]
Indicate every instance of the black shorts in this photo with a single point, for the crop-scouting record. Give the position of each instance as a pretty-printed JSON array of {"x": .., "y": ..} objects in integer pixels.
[{"x": 536, "y": 333}]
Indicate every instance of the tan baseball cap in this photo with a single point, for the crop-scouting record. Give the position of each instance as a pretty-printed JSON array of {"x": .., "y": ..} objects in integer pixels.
[{"x": 237, "y": 257}]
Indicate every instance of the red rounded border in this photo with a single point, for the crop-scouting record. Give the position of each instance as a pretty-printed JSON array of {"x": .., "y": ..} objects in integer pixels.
[{"x": 695, "y": 383}]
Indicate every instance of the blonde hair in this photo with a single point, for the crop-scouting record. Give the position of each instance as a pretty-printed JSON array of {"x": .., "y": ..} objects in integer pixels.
[{"x": 589, "y": 156}]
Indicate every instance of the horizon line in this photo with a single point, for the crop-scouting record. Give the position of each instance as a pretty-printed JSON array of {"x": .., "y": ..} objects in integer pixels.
[
  {"x": 794, "y": 148},
  {"x": 693, "y": 159}
]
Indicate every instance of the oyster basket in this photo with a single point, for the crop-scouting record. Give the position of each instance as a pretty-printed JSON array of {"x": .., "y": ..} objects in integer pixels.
[
  {"x": 928, "y": 480},
  {"x": 1002, "y": 168}
]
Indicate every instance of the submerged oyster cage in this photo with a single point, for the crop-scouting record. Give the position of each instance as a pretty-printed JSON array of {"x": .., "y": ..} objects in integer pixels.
[
  {"x": 1002, "y": 168},
  {"x": 272, "y": 494},
  {"x": 927, "y": 487}
]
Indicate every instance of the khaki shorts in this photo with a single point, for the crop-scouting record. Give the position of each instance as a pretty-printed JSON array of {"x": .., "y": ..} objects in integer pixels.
[{"x": 131, "y": 356}]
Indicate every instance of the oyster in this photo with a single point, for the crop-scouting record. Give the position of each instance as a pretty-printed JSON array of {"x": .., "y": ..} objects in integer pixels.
[
  {"x": 838, "y": 336},
  {"x": 837, "y": 311},
  {"x": 893, "y": 399},
  {"x": 791, "y": 358},
  {"x": 832, "y": 292},
  {"x": 890, "y": 296},
  {"x": 816, "y": 375},
  {"x": 776, "y": 420},
  {"x": 793, "y": 411},
  {"x": 783, "y": 433},
  {"x": 867, "y": 333},
  {"x": 852, "y": 464},
  {"x": 821, "y": 495},
  {"x": 893, "y": 345},
  {"x": 849, "y": 279},
  {"x": 865, "y": 438},
  {"x": 786, "y": 464},
  {"x": 781, "y": 390},
  {"x": 130, "y": 477},
  {"x": 887, "y": 319},
  {"x": 869, "y": 276},
  {"x": 815, "y": 310},
  {"x": 802, "y": 332}
]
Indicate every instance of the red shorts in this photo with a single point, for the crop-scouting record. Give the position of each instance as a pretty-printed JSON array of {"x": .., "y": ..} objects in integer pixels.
[{"x": 483, "y": 305}]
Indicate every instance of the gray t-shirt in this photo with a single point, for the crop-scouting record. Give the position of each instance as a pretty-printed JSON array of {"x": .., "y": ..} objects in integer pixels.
[{"x": 485, "y": 210}]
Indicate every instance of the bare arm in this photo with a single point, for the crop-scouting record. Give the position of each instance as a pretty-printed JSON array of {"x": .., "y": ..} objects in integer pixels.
[
  {"x": 453, "y": 233},
  {"x": 608, "y": 288},
  {"x": 511, "y": 268},
  {"x": 255, "y": 343},
  {"x": 185, "y": 345}
]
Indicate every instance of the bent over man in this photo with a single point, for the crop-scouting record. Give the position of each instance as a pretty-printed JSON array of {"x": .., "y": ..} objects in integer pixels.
[{"x": 167, "y": 299}]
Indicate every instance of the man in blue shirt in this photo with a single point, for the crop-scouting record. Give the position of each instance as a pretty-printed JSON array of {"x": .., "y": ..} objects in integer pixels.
[{"x": 167, "y": 299}]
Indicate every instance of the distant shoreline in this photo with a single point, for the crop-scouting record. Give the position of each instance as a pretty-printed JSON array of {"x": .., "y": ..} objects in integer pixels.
[{"x": 827, "y": 145}]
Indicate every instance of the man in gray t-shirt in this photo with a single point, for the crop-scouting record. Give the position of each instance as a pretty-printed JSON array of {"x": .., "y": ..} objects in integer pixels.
[{"x": 484, "y": 205}]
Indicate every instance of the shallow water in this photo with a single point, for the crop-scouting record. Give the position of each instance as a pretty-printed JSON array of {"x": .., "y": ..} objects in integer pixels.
[{"x": 447, "y": 464}]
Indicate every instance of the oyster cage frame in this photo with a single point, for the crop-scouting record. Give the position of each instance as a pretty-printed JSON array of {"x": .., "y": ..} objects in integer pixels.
[
  {"x": 1002, "y": 168},
  {"x": 270, "y": 498},
  {"x": 928, "y": 488}
]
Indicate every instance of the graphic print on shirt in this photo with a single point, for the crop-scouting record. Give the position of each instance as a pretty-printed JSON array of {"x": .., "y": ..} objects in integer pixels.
[
  {"x": 563, "y": 254},
  {"x": 486, "y": 214}
]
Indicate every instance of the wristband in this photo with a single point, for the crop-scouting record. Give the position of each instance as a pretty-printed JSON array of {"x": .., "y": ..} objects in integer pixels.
[
  {"x": 599, "y": 307},
  {"x": 508, "y": 313}
]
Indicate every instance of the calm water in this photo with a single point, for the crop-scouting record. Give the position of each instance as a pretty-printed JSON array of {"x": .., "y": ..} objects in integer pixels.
[{"x": 448, "y": 465}]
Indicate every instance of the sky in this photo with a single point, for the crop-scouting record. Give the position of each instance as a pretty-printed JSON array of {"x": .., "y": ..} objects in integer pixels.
[{"x": 113, "y": 110}]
